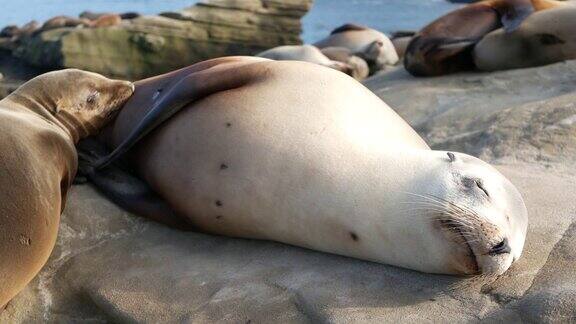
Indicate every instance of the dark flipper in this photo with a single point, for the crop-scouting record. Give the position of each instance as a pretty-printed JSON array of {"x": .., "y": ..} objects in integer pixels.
[
  {"x": 125, "y": 189},
  {"x": 191, "y": 88},
  {"x": 191, "y": 84},
  {"x": 514, "y": 12}
]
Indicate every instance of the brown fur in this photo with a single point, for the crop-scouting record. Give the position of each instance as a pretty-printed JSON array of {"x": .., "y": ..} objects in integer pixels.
[
  {"x": 65, "y": 21},
  {"x": 39, "y": 125},
  {"x": 445, "y": 45},
  {"x": 107, "y": 21}
]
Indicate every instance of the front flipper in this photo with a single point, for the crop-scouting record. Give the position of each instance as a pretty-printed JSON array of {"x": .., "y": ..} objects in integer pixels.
[
  {"x": 514, "y": 12},
  {"x": 123, "y": 188},
  {"x": 230, "y": 74}
]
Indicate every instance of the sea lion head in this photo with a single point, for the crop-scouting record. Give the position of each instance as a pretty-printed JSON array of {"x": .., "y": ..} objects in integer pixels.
[
  {"x": 478, "y": 215},
  {"x": 83, "y": 102}
]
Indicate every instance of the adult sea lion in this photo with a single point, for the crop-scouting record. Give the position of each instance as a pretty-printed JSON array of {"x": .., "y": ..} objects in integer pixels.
[
  {"x": 64, "y": 21},
  {"x": 39, "y": 125},
  {"x": 297, "y": 153},
  {"x": 545, "y": 37},
  {"x": 304, "y": 53},
  {"x": 369, "y": 44},
  {"x": 445, "y": 46}
]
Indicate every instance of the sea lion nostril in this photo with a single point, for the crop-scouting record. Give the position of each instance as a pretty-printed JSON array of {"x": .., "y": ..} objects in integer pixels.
[{"x": 501, "y": 248}]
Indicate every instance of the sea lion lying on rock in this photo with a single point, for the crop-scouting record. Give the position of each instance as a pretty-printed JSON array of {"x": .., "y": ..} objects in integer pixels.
[
  {"x": 369, "y": 44},
  {"x": 306, "y": 53},
  {"x": 65, "y": 21},
  {"x": 359, "y": 68},
  {"x": 543, "y": 38},
  {"x": 297, "y": 153},
  {"x": 40, "y": 123},
  {"x": 445, "y": 46}
]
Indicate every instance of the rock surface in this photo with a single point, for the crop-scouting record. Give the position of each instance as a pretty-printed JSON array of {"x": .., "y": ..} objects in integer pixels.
[
  {"x": 113, "y": 267},
  {"x": 151, "y": 45}
]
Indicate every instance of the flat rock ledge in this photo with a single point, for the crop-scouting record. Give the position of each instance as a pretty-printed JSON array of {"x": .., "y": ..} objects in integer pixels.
[
  {"x": 110, "y": 266},
  {"x": 152, "y": 45}
]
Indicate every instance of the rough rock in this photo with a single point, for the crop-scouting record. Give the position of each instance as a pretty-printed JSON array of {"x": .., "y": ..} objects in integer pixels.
[
  {"x": 525, "y": 115},
  {"x": 151, "y": 45},
  {"x": 110, "y": 266}
]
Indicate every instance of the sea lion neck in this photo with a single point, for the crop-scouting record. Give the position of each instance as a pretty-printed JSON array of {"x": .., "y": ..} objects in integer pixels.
[{"x": 46, "y": 107}]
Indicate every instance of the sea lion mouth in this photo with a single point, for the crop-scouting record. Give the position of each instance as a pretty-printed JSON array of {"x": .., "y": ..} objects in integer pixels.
[{"x": 458, "y": 236}]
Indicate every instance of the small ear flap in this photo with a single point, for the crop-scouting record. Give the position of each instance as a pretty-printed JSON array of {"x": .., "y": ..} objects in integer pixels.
[{"x": 452, "y": 157}]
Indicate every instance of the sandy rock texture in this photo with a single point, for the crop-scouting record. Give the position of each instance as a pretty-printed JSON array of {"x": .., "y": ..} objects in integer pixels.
[
  {"x": 151, "y": 45},
  {"x": 113, "y": 267}
]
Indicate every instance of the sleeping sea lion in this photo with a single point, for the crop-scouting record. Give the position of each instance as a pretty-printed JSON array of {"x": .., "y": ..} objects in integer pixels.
[
  {"x": 545, "y": 37},
  {"x": 297, "y": 153},
  {"x": 445, "y": 46},
  {"x": 369, "y": 44}
]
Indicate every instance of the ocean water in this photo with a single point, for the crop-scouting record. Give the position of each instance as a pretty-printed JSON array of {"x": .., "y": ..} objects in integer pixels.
[{"x": 385, "y": 15}]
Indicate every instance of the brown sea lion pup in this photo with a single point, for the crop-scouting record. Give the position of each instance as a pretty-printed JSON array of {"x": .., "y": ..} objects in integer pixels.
[
  {"x": 296, "y": 153},
  {"x": 65, "y": 21},
  {"x": 445, "y": 46},
  {"x": 545, "y": 37},
  {"x": 359, "y": 68},
  {"x": 369, "y": 44},
  {"x": 40, "y": 123}
]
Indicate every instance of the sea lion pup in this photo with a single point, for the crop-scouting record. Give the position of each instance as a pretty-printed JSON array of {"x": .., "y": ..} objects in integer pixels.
[
  {"x": 297, "y": 153},
  {"x": 445, "y": 46},
  {"x": 304, "y": 53},
  {"x": 545, "y": 37},
  {"x": 40, "y": 123},
  {"x": 359, "y": 68},
  {"x": 369, "y": 44}
]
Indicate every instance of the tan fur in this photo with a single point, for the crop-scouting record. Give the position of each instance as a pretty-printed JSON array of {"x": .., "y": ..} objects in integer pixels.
[
  {"x": 296, "y": 153},
  {"x": 39, "y": 125},
  {"x": 107, "y": 21}
]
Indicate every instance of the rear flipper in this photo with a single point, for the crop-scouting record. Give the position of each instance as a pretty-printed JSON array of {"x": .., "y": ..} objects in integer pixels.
[{"x": 123, "y": 188}]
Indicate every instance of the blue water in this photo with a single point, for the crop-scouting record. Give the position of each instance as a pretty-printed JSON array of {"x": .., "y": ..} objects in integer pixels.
[{"x": 385, "y": 15}]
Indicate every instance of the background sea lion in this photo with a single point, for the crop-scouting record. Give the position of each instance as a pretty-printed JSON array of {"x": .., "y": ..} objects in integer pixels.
[
  {"x": 304, "y": 53},
  {"x": 106, "y": 21},
  {"x": 445, "y": 46},
  {"x": 40, "y": 122},
  {"x": 359, "y": 68},
  {"x": 64, "y": 21},
  {"x": 297, "y": 153},
  {"x": 545, "y": 37},
  {"x": 369, "y": 44}
]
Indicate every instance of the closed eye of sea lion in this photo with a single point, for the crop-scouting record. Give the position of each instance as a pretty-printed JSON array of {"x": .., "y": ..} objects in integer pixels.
[
  {"x": 296, "y": 153},
  {"x": 40, "y": 123},
  {"x": 445, "y": 45}
]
